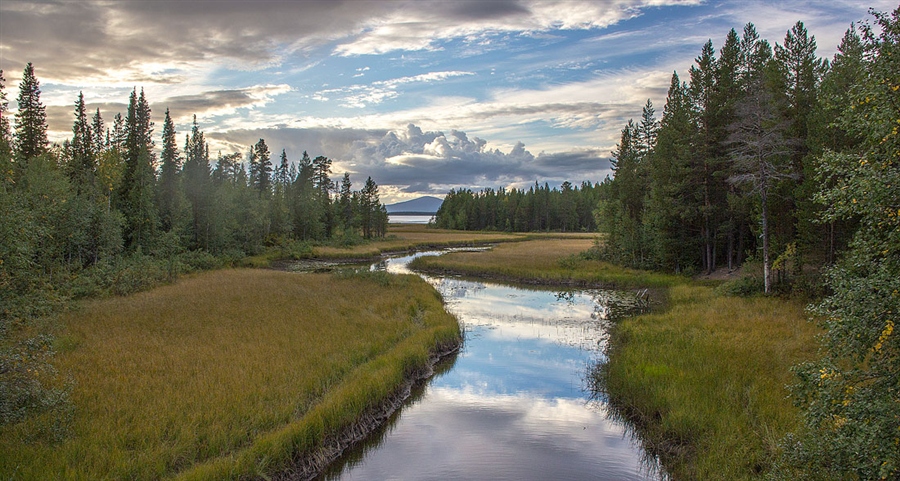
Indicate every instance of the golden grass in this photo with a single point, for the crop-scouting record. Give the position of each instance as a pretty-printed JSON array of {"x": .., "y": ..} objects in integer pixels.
[
  {"x": 404, "y": 237},
  {"x": 706, "y": 379},
  {"x": 549, "y": 259},
  {"x": 229, "y": 373}
]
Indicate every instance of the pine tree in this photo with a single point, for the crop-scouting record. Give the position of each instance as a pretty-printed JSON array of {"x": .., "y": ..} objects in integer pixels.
[
  {"x": 759, "y": 151},
  {"x": 31, "y": 119}
]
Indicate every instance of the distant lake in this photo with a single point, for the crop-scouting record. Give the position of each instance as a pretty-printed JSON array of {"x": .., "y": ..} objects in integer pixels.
[{"x": 408, "y": 219}]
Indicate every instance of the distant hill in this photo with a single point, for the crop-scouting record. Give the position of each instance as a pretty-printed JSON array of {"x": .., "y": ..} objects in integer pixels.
[{"x": 422, "y": 205}]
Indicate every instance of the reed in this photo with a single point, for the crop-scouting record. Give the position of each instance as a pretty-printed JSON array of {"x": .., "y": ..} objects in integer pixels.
[{"x": 229, "y": 373}]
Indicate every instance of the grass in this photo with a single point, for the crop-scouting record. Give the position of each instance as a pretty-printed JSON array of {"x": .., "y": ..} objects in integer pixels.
[
  {"x": 228, "y": 373},
  {"x": 702, "y": 380},
  {"x": 547, "y": 259}
]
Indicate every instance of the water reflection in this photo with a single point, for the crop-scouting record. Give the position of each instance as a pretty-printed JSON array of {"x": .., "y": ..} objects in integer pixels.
[{"x": 515, "y": 404}]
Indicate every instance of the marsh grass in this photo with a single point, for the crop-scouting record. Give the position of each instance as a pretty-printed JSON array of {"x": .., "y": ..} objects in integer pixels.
[
  {"x": 704, "y": 381},
  {"x": 547, "y": 259},
  {"x": 228, "y": 373}
]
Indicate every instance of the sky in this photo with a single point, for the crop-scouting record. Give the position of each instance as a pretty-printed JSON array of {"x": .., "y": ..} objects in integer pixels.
[{"x": 423, "y": 96}]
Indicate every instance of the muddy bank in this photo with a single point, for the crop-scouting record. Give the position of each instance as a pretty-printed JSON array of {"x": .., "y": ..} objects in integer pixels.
[{"x": 307, "y": 466}]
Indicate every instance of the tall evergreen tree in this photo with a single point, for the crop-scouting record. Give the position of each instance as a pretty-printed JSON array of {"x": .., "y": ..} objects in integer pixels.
[
  {"x": 6, "y": 141},
  {"x": 345, "y": 202},
  {"x": 31, "y": 119},
  {"x": 138, "y": 180},
  {"x": 261, "y": 168},
  {"x": 98, "y": 144},
  {"x": 195, "y": 181},
  {"x": 169, "y": 189},
  {"x": 671, "y": 212},
  {"x": 82, "y": 166}
]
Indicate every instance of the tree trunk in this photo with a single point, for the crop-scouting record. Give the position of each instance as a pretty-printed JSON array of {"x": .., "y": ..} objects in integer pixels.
[{"x": 765, "y": 228}]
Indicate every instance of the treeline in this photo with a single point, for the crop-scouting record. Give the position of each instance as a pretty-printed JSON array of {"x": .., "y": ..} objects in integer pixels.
[
  {"x": 540, "y": 208},
  {"x": 732, "y": 167},
  {"x": 795, "y": 160},
  {"x": 104, "y": 193},
  {"x": 106, "y": 212}
]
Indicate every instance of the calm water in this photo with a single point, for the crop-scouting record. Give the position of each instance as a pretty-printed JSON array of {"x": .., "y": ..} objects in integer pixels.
[
  {"x": 513, "y": 404},
  {"x": 409, "y": 219}
]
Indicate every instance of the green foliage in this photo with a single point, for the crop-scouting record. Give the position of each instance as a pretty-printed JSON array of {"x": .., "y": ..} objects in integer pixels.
[
  {"x": 540, "y": 208},
  {"x": 31, "y": 119},
  {"x": 851, "y": 397}
]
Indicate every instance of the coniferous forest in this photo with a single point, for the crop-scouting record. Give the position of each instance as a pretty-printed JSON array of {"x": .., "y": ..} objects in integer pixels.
[{"x": 108, "y": 212}]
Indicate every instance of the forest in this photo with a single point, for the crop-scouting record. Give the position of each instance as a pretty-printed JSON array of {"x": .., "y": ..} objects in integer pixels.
[
  {"x": 766, "y": 156},
  {"x": 107, "y": 212},
  {"x": 793, "y": 161},
  {"x": 540, "y": 208}
]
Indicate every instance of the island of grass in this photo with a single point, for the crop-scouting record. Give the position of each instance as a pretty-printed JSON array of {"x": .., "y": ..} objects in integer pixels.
[
  {"x": 701, "y": 379},
  {"x": 231, "y": 374}
]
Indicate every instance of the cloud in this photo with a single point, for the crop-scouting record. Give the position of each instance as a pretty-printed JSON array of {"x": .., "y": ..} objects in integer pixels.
[
  {"x": 423, "y": 28},
  {"x": 140, "y": 42},
  {"x": 359, "y": 95}
]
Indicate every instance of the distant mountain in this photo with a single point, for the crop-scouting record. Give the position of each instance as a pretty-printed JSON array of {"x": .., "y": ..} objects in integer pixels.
[{"x": 422, "y": 205}]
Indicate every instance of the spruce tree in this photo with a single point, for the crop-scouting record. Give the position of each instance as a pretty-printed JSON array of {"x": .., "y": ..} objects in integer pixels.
[
  {"x": 98, "y": 144},
  {"x": 31, "y": 119},
  {"x": 261, "y": 168},
  {"x": 82, "y": 168},
  {"x": 6, "y": 141},
  {"x": 169, "y": 188},
  {"x": 195, "y": 182},
  {"x": 138, "y": 180}
]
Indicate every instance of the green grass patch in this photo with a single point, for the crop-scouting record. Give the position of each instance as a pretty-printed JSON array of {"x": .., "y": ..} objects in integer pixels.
[
  {"x": 704, "y": 382},
  {"x": 228, "y": 374}
]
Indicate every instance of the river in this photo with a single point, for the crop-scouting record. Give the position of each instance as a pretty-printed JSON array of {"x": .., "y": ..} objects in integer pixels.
[{"x": 513, "y": 404}]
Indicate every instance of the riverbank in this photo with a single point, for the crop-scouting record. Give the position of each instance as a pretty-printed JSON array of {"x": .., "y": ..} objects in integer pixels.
[
  {"x": 701, "y": 380},
  {"x": 232, "y": 373},
  {"x": 545, "y": 260}
]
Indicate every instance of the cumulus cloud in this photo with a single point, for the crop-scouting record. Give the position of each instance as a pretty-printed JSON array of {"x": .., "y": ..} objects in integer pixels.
[{"x": 415, "y": 157}]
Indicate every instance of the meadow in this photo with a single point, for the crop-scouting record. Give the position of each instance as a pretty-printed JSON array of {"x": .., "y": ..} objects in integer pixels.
[
  {"x": 229, "y": 373},
  {"x": 701, "y": 379}
]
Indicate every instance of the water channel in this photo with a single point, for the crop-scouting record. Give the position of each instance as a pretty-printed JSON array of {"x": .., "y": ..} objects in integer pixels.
[{"x": 514, "y": 403}]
